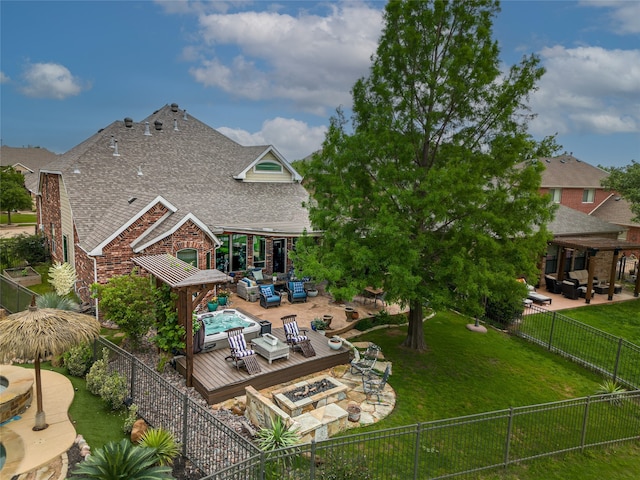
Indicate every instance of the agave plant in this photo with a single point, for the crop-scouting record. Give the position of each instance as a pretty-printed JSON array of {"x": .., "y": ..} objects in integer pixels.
[
  {"x": 278, "y": 436},
  {"x": 611, "y": 387},
  {"x": 116, "y": 461},
  {"x": 164, "y": 444},
  {"x": 53, "y": 300}
]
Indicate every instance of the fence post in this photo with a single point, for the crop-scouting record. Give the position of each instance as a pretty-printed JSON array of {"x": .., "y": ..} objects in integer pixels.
[
  {"x": 263, "y": 465},
  {"x": 553, "y": 324},
  {"x": 585, "y": 418},
  {"x": 185, "y": 423},
  {"x": 615, "y": 368},
  {"x": 508, "y": 440},
  {"x": 132, "y": 382},
  {"x": 416, "y": 455},
  {"x": 312, "y": 471}
]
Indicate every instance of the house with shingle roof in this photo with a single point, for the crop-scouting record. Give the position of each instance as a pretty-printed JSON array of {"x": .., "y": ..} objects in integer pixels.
[
  {"x": 28, "y": 161},
  {"x": 170, "y": 184},
  {"x": 617, "y": 210},
  {"x": 573, "y": 183}
]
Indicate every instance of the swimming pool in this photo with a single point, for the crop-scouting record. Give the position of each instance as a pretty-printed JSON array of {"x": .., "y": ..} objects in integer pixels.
[{"x": 217, "y": 323}]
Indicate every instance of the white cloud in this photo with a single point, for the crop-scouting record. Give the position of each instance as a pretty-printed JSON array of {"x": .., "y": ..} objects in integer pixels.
[
  {"x": 624, "y": 14},
  {"x": 4, "y": 78},
  {"x": 50, "y": 80},
  {"x": 293, "y": 138},
  {"x": 588, "y": 89},
  {"x": 309, "y": 59}
]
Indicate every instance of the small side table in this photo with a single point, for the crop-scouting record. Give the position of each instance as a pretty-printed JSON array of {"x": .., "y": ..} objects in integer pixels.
[{"x": 268, "y": 351}]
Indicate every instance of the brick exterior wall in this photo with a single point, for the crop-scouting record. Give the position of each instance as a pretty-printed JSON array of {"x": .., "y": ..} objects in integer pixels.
[
  {"x": 572, "y": 198},
  {"x": 49, "y": 215}
]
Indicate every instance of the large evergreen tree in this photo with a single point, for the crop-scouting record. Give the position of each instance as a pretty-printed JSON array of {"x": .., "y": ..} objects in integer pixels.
[
  {"x": 432, "y": 192},
  {"x": 13, "y": 194}
]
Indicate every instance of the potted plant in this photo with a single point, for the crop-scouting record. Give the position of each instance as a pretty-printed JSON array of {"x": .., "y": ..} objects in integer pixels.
[
  {"x": 223, "y": 294},
  {"x": 335, "y": 343},
  {"x": 318, "y": 325},
  {"x": 212, "y": 304},
  {"x": 310, "y": 288}
]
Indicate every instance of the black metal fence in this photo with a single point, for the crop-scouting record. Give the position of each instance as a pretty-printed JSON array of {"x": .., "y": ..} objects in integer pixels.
[
  {"x": 600, "y": 351},
  {"x": 13, "y": 296},
  {"x": 206, "y": 441},
  {"x": 454, "y": 447}
]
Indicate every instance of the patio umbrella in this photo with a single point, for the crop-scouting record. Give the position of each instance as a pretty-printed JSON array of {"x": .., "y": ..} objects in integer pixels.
[{"x": 38, "y": 333}]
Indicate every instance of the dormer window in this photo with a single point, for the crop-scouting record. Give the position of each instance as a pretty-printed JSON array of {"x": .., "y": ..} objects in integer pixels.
[{"x": 268, "y": 167}]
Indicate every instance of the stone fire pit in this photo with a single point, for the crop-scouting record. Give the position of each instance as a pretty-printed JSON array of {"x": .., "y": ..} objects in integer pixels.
[{"x": 308, "y": 395}]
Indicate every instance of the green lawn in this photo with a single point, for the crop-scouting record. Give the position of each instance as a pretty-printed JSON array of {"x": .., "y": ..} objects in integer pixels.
[
  {"x": 620, "y": 319},
  {"x": 19, "y": 218}
]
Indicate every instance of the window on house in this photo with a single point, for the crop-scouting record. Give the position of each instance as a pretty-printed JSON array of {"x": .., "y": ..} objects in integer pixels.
[
  {"x": 588, "y": 195},
  {"x": 208, "y": 260},
  {"x": 259, "y": 251},
  {"x": 268, "y": 166},
  {"x": 188, "y": 255},
  {"x": 551, "y": 263},
  {"x": 65, "y": 248},
  {"x": 556, "y": 194},
  {"x": 238, "y": 252},
  {"x": 222, "y": 254}
]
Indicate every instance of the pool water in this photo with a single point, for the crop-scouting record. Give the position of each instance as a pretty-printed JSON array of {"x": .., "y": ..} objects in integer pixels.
[
  {"x": 222, "y": 322},
  {"x": 3, "y": 456}
]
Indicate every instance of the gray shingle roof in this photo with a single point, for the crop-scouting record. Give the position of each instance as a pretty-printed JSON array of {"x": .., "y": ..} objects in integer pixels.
[
  {"x": 616, "y": 210},
  {"x": 568, "y": 221},
  {"x": 34, "y": 158},
  {"x": 192, "y": 169},
  {"x": 566, "y": 171}
]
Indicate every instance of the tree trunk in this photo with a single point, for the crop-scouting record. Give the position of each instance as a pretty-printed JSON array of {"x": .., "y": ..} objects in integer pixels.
[{"x": 415, "y": 334}]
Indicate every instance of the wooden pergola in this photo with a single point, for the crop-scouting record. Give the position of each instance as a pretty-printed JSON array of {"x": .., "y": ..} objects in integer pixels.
[
  {"x": 593, "y": 245},
  {"x": 186, "y": 280}
]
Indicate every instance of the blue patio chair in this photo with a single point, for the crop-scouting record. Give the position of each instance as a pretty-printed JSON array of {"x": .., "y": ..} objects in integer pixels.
[
  {"x": 269, "y": 297},
  {"x": 296, "y": 292}
]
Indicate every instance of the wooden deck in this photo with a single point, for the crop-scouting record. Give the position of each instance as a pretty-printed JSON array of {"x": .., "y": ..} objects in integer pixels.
[{"x": 217, "y": 379}]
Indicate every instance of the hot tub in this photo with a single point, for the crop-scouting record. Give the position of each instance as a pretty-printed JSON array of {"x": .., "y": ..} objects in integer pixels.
[{"x": 217, "y": 323}]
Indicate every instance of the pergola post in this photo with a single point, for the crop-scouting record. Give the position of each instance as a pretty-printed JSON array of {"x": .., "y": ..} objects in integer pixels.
[
  {"x": 561, "y": 259},
  {"x": 612, "y": 275},
  {"x": 592, "y": 252}
]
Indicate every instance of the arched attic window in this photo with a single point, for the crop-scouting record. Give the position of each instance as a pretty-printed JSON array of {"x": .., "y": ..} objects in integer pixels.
[{"x": 268, "y": 166}]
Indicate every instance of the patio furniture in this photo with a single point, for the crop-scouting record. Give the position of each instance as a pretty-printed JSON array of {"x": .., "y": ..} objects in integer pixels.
[
  {"x": 296, "y": 292},
  {"x": 553, "y": 285},
  {"x": 539, "y": 298},
  {"x": 248, "y": 290},
  {"x": 581, "y": 277},
  {"x": 570, "y": 290},
  {"x": 373, "y": 384},
  {"x": 270, "y": 347},
  {"x": 365, "y": 364},
  {"x": 241, "y": 354},
  {"x": 269, "y": 297},
  {"x": 375, "y": 294},
  {"x": 296, "y": 337},
  {"x": 257, "y": 275},
  {"x": 603, "y": 288},
  {"x": 582, "y": 292}
]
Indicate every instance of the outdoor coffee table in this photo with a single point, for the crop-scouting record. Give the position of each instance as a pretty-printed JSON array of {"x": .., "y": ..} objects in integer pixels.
[{"x": 268, "y": 351}]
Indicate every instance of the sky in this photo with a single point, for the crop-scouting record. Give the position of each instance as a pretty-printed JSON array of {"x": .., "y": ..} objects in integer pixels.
[{"x": 265, "y": 72}]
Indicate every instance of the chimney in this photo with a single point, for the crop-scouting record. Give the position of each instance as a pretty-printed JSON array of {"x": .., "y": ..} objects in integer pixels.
[
  {"x": 128, "y": 122},
  {"x": 174, "y": 107},
  {"x": 158, "y": 125},
  {"x": 146, "y": 129}
]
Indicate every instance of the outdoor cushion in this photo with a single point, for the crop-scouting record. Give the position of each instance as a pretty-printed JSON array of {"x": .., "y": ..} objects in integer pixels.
[
  {"x": 298, "y": 287},
  {"x": 257, "y": 274},
  {"x": 267, "y": 291},
  {"x": 239, "y": 345}
]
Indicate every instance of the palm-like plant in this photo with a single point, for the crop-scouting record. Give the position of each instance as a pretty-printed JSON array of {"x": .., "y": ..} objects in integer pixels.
[
  {"x": 611, "y": 387},
  {"x": 116, "y": 461},
  {"x": 164, "y": 444},
  {"x": 53, "y": 300},
  {"x": 278, "y": 436}
]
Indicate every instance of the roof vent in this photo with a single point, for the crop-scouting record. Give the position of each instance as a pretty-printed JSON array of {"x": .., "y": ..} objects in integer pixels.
[
  {"x": 562, "y": 160},
  {"x": 115, "y": 151},
  {"x": 146, "y": 129},
  {"x": 140, "y": 171},
  {"x": 158, "y": 125},
  {"x": 184, "y": 117},
  {"x": 174, "y": 107},
  {"x": 128, "y": 122},
  {"x": 131, "y": 200},
  {"x": 112, "y": 142},
  {"x": 76, "y": 171},
  {"x": 175, "y": 125}
]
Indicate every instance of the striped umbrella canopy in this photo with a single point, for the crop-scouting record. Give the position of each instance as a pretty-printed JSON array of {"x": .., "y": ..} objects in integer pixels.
[{"x": 40, "y": 332}]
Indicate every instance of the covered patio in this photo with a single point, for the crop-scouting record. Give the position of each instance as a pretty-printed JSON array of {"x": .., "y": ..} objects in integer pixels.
[{"x": 593, "y": 246}]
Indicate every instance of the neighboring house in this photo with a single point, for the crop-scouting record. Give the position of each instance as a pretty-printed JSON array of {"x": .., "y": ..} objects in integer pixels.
[
  {"x": 617, "y": 210},
  {"x": 573, "y": 183},
  {"x": 28, "y": 161},
  {"x": 170, "y": 184}
]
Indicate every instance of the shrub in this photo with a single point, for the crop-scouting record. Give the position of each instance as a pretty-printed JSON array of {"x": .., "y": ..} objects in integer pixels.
[
  {"x": 278, "y": 436},
  {"x": 132, "y": 416},
  {"x": 31, "y": 248},
  {"x": 97, "y": 373},
  {"x": 122, "y": 460},
  {"x": 114, "y": 390},
  {"x": 504, "y": 310},
  {"x": 169, "y": 334},
  {"x": 163, "y": 442},
  {"x": 78, "y": 360},
  {"x": 54, "y": 300}
]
